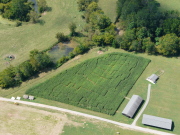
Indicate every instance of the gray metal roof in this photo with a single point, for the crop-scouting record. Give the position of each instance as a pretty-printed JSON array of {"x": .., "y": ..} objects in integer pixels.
[
  {"x": 132, "y": 106},
  {"x": 25, "y": 96},
  {"x": 153, "y": 78},
  {"x": 31, "y": 97},
  {"x": 157, "y": 121}
]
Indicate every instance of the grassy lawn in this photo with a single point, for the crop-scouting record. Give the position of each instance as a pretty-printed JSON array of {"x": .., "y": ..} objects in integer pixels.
[
  {"x": 22, "y": 119},
  {"x": 18, "y": 41},
  {"x": 169, "y": 4},
  {"x": 99, "y": 128},
  {"x": 109, "y": 8},
  {"x": 164, "y": 95}
]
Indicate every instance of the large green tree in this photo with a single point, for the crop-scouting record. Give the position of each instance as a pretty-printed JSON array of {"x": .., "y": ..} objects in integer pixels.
[
  {"x": 18, "y": 9},
  {"x": 61, "y": 37},
  {"x": 7, "y": 77},
  {"x": 34, "y": 17},
  {"x": 169, "y": 45},
  {"x": 42, "y": 5},
  {"x": 148, "y": 46},
  {"x": 39, "y": 60},
  {"x": 4, "y": 1},
  {"x": 26, "y": 70},
  {"x": 83, "y": 4},
  {"x": 172, "y": 25},
  {"x": 99, "y": 20},
  {"x": 72, "y": 28}
]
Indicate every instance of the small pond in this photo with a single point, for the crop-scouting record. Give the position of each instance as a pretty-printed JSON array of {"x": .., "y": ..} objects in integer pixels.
[{"x": 58, "y": 51}]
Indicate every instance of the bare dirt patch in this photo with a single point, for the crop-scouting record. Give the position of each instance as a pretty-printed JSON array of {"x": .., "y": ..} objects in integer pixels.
[
  {"x": 44, "y": 13},
  {"x": 121, "y": 32},
  {"x": 20, "y": 120},
  {"x": 99, "y": 52}
]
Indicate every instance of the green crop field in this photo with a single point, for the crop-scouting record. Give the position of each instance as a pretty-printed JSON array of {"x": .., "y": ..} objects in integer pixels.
[
  {"x": 98, "y": 84},
  {"x": 19, "y": 41}
]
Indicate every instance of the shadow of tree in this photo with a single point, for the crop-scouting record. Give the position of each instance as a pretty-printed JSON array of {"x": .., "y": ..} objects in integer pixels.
[
  {"x": 41, "y": 22},
  {"x": 49, "y": 9}
]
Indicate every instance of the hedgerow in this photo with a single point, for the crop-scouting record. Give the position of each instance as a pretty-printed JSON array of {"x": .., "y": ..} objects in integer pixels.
[{"x": 98, "y": 84}]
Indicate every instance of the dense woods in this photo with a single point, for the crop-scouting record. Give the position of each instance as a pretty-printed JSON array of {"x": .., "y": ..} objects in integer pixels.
[
  {"x": 21, "y": 10},
  {"x": 15, "y": 9},
  {"x": 100, "y": 30},
  {"x": 147, "y": 29}
]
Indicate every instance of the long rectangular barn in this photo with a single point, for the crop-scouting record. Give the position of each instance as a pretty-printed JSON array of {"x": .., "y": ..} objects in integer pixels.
[
  {"x": 157, "y": 121},
  {"x": 132, "y": 106}
]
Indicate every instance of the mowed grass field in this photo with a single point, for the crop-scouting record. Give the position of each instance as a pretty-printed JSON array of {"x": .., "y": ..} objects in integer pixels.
[
  {"x": 109, "y": 8},
  {"x": 169, "y": 4},
  {"x": 19, "y": 41},
  {"x": 99, "y": 84},
  {"x": 164, "y": 100},
  {"x": 21, "y": 119}
]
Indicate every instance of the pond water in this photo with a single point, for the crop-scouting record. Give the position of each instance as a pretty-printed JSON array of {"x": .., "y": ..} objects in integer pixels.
[
  {"x": 58, "y": 51},
  {"x": 35, "y": 5}
]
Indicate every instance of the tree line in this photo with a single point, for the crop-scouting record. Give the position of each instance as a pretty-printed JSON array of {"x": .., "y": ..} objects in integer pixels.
[
  {"x": 99, "y": 28},
  {"x": 21, "y": 10},
  {"x": 13, "y": 76},
  {"x": 147, "y": 29}
]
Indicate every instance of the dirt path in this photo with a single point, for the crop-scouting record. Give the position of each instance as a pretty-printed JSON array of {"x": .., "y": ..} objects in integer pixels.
[
  {"x": 144, "y": 107},
  {"x": 130, "y": 127}
]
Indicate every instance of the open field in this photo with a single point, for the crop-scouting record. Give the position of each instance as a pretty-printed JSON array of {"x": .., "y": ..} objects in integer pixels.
[
  {"x": 164, "y": 95},
  {"x": 98, "y": 84},
  {"x": 109, "y": 8},
  {"x": 19, "y": 41},
  {"x": 21, "y": 119},
  {"x": 170, "y": 4}
]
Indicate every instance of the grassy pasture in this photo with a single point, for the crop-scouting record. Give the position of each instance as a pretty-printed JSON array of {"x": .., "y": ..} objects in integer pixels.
[
  {"x": 18, "y": 41},
  {"x": 169, "y": 4},
  {"x": 98, "y": 84},
  {"x": 99, "y": 128},
  {"x": 109, "y": 8}
]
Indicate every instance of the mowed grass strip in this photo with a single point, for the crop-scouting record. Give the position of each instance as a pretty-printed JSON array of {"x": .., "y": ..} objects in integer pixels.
[{"x": 98, "y": 84}]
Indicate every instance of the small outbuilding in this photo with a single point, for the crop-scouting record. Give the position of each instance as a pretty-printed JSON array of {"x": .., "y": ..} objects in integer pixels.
[
  {"x": 13, "y": 98},
  {"x": 25, "y": 96},
  {"x": 132, "y": 106},
  {"x": 153, "y": 78},
  {"x": 18, "y": 98},
  {"x": 31, "y": 97},
  {"x": 157, "y": 121}
]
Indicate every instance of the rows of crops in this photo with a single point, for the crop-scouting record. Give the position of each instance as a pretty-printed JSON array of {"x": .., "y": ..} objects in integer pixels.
[{"x": 98, "y": 84}]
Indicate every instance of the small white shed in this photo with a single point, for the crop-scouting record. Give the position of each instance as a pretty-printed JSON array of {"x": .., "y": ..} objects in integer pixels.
[
  {"x": 13, "y": 98},
  {"x": 18, "y": 98},
  {"x": 153, "y": 78}
]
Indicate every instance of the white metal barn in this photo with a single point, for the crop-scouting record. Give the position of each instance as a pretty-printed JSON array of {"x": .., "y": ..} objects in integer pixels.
[
  {"x": 157, "y": 121},
  {"x": 132, "y": 106},
  {"x": 153, "y": 78}
]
